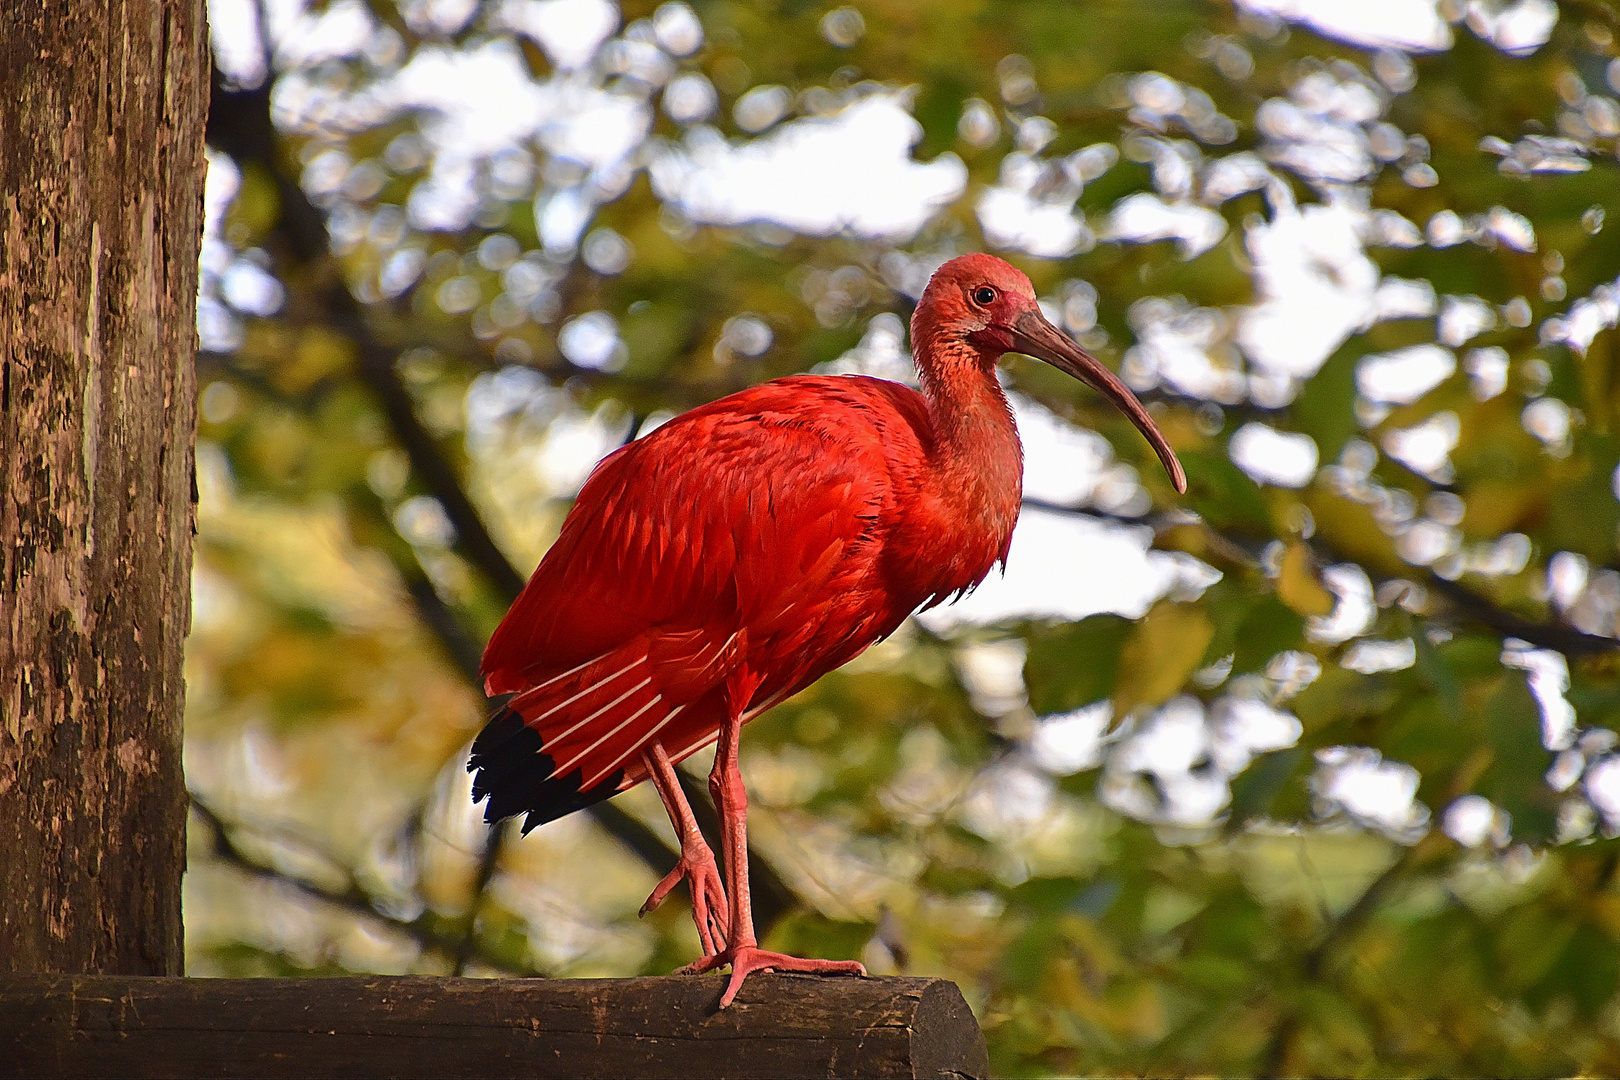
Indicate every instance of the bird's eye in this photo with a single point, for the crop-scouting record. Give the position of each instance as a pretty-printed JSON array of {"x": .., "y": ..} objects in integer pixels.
[{"x": 984, "y": 296}]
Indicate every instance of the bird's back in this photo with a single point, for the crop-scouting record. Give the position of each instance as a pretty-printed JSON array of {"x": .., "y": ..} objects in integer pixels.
[{"x": 753, "y": 534}]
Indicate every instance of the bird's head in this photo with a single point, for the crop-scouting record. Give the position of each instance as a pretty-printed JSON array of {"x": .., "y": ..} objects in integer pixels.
[{"x": 990, "y": 305}]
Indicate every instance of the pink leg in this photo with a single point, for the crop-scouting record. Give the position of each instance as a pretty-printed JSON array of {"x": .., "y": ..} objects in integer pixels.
[
  {"x": 744, "y": 954},
  {"x": 696, "y": 864}
]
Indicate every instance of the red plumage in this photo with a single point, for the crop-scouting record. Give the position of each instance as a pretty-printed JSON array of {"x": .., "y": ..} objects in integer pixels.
[
  {"x": 769, "y": 529},
  {"x": 744, "y": 549}
]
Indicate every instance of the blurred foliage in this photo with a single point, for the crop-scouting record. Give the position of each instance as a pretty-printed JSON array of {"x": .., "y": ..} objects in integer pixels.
[{"x": 1097, "y": 921}]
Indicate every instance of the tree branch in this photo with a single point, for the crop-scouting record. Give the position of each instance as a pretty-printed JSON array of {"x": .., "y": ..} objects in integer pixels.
[
  {"x": 1557, "y": 636},
  {"x": 488, "y": 860},
  {"x": 239, "y": 124},
  {"x": 1340, "y": 932},
  {"x": 353, "y": 899}
]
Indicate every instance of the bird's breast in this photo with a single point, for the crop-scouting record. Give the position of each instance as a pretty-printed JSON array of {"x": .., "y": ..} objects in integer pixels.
[{"x": 958, "y": 521}]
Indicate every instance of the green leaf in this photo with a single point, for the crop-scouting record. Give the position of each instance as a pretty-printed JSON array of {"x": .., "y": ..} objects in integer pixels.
[
  {"x": 1269, "y": 628},
  {"x": 1515, "y": 780},
  {"x": 1162, "y": 651},
  {"x": 1325, "y": 408},
  {"x": 1071, "y": 665}
]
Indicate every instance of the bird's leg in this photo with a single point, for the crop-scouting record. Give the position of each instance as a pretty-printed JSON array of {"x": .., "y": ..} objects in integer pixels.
[
  {"x": 743, "y": 953},
  {"x": 696, "y": 865}
]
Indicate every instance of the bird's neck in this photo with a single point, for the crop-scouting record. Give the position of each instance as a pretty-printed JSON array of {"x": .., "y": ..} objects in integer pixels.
[{"x": 976, "y": 445}]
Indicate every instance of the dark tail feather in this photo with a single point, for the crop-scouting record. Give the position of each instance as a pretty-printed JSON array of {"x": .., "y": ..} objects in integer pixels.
[{"x": 513, "y": 771}]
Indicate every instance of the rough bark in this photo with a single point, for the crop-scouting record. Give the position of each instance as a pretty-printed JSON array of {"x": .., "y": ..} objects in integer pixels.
[
  {"x": 102, "y": 109},
  {"x": 780, "y": 1025}
]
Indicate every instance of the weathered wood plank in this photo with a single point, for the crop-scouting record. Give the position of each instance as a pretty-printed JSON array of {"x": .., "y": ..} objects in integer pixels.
[{"x": 419, "y": 1026}]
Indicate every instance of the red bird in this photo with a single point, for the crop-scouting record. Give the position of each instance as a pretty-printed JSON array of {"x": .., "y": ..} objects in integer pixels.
[{"x": 741, "y": 551}]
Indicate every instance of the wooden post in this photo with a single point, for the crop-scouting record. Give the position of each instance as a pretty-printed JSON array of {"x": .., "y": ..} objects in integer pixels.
[
  {"x": 101, "y": 179},
  {"x": 779, "y": 1026}
]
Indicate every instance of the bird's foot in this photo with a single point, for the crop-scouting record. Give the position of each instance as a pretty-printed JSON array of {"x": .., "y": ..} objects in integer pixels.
[
  {"x": 709, "y": 907},
  {"x": 748, "y": 959}
]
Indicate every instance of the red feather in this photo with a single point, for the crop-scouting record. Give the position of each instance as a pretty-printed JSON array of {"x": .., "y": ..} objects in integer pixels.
[
  {"x": 744, "y": 549},
  {"x": 759, "y": 532}
]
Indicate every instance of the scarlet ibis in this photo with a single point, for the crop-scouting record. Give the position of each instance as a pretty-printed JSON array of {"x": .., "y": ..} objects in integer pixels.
[{"x": 742, "y": 550}]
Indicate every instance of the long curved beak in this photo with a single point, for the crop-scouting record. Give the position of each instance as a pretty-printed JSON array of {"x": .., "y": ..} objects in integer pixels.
[{"x": 1033, "y": 335}]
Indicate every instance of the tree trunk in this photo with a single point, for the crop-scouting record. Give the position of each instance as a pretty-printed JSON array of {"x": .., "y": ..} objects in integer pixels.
[{"x": 101, "y": 178}]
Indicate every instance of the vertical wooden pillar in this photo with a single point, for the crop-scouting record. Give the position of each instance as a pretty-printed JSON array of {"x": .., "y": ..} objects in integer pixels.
[{"x": 102, "y": 108}]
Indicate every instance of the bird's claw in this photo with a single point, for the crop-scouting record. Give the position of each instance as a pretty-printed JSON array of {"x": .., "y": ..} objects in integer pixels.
[
  {"x": 709, "y": 907},
  {"x": 749, "y": 959}
]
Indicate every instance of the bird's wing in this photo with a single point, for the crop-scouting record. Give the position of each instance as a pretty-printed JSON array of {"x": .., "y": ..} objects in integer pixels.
[{"x": 741, "y": 531}]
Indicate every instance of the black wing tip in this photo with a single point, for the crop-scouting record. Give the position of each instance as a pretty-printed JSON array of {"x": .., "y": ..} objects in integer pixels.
[
  {"x": 513, "y": 772},
  {"x": 499, "y": 730}
]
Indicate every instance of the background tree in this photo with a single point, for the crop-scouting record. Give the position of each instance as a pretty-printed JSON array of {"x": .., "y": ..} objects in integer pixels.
[
  {"x": 1312, "y": 771},
  {"x": 101, "y": 183}
]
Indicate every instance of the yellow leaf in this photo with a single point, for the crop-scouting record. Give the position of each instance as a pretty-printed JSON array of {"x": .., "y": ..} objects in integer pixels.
[
  {"x": 1598, "y": 383},
  {"x": 320, "y": 352},
  {"x": 1297, "y": 585},
  {"x": 1162, "y": 651},
  {"x": 1498, "y": 506},
  {"x": 1351, "y": 530}
]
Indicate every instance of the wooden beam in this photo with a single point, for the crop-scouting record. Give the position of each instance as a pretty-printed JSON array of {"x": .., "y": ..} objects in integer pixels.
[{"x": 410, "y": 1026}]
